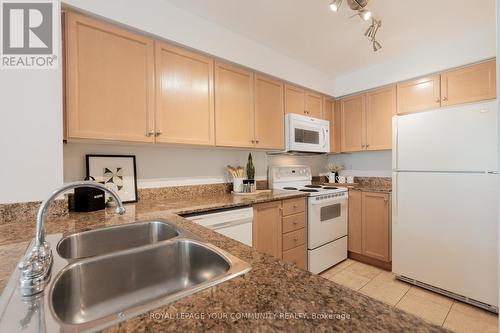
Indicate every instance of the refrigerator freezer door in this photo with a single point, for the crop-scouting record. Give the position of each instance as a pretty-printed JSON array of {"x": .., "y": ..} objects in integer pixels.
[
  {"x": 460, "y": 138},
  {"x": 444, "y": 232}
]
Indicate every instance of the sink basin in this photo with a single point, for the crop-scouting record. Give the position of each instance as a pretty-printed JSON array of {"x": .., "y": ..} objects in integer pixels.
[
  {"x": 129, "y": 282},
  {"x": 106, "y": 240}
]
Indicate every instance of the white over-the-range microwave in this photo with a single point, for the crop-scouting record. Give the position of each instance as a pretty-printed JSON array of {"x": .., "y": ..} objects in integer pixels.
[{"x": 306, "y": 134}]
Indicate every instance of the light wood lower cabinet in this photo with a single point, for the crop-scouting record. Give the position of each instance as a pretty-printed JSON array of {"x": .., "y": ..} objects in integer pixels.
[
  {"x": 184, "y": 96},
  {"x": 267, "y": 230},
  {"x": 369, "y": 232},
  {"x": 280, "y": 229},
  {"x": 109, "y": 82}
]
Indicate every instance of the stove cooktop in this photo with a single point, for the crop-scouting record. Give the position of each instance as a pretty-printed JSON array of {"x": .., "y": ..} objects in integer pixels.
[{"x": 315, "y": 189}]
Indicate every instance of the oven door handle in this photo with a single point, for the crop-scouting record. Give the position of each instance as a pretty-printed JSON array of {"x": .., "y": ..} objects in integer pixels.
[{"x": 341, "y": 200}]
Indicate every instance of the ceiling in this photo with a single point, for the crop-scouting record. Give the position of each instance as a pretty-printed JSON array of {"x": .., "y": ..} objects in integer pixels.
[{"x": 307, "y": 31}]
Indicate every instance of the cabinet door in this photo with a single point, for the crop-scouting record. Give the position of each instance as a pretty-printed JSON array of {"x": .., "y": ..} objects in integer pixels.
[
  {"x": 269, "y": 113},
  {"x": 267, "y": 232},
  {"x": 328, "y": 115},
  {"x": 314, "y": 105},
  {"x": 337, "y": 127},
  {"x": 419, "y": 95},
  {"x": 184, "y": 96},
  {"x": 294, "y": 100},
  {"x": 353, "y": 123},
  {"x": 109, "y": 82},
  {"x": 380, "y": 107},
  {"x": 375, "y": 226},
  {"x": 469, "y": 84},
  {"x": 354, "y": 222},
  {"x": 234, "y": 109}
]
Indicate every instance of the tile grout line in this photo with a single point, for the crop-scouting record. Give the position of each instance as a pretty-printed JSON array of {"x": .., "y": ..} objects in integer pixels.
[
  {"x": 369, "y": 281},
  {"x": 403, "y": 296},
  {"x": 447, "y": 314}
]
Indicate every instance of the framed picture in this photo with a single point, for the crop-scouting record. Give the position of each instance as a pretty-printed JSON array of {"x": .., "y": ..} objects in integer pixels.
[{"x": 117, "y": 172}]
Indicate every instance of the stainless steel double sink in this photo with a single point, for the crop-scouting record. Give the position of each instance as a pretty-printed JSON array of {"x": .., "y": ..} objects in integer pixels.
[{"x": 104, "y": 276}]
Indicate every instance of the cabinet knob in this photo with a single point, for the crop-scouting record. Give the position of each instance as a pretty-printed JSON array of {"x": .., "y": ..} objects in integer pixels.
[
  {"x": 295, "y": 239},
  {"x": 158, "y": 133},
  {"x": 150, "y": 133},
  {"x": 438, "y": 100},
  {"x": 445, "y": 99},
  {"x": 253, "y": 141}
]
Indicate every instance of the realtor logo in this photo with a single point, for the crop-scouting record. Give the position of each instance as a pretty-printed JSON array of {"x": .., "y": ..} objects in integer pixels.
[{"x": 29, "y": 34}]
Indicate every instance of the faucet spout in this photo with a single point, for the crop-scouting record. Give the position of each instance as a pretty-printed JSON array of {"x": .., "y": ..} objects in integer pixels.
[{"x": 35, "y": 266}]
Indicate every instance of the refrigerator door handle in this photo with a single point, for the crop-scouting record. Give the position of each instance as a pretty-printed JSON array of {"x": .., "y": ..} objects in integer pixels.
[
  {"x": 493, "y": 172},
  {"x": 394, "y": 142}
]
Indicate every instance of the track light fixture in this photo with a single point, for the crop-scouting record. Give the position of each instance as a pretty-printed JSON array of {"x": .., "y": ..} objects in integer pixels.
[{"x": 365, "y": 15}]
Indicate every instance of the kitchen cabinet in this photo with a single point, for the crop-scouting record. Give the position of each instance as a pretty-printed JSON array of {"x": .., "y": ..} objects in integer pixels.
[
  {"x": 280, "y": 229},
  {"x": 109, "y": 82},
  {"x": 375, "y": 228},
  {"x": 369, "y": 232},
  {"x": 419, "y": 95},
  {"x": 303, "y": 102},
  {"x": 269, "y": 113},
  {"x": 354, "y": 222},
  {"x": 234, "y": 106},
  {"x": 353, "y": 129},
  {"x": 337, "y": 128},
  {"x": 469, "y": 84},
  {"x": 184, "y": 96},
  {"x": 457, "y": 86},
  {"x": 367, "y": 120},
  {"x": 331, "y": 112},
  {"x": 380, "y": 107},
  {"x": 267, "y": 232}
]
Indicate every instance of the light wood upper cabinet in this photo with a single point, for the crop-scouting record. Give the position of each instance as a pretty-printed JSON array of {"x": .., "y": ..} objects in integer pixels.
[
  {"x": 380, "y": 107},
  {"x": 303, "y": 102},
  {"x": 234, "y": 106},
  {"x": 314, "y": 105},
  {"x": 469, "y": 84},
  {"x": 184, "y": 96},
  {"x": 109, "y": 82},
  {"x": 337, "y": 128},
  {"x": 354, "y": 222},
  {"x": 331, "y": 112},
  {"x": 269, "y": 113},
  {"x": 295, "y": 100},
  {"x": 376, "y": 226},
  {"x": 419, "y": 95},
  {"x": 353, "y": 123},
  {"x": 267, "y": 232}
]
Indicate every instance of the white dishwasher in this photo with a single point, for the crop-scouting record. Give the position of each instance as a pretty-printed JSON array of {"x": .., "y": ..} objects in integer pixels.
[{"x": 234, "y": 223}]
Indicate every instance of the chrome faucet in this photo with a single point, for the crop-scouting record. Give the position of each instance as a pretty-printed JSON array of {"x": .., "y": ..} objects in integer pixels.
[{"x": 36, "y": 265}]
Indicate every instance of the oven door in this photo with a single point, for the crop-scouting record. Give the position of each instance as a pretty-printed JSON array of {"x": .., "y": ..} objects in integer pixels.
[
  {"x": 327, "y": 220},
  {"x": 307, "y": 134}
]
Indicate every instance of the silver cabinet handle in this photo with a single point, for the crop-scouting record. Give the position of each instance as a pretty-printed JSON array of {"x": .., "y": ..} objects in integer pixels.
[{"x": 150, "y": 133}]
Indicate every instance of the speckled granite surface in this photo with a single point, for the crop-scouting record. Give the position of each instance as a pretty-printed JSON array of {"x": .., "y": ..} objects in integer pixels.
[
  {"x": 371, "y": 184},
  {"x": 272, "y": 288}
]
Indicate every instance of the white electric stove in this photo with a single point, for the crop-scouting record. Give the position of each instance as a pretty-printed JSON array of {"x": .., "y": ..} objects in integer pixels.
[{"x": 326, "y": 215}]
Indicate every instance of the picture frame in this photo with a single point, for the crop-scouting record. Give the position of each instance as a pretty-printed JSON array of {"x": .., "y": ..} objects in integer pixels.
[{"x": 117, "y": 172}]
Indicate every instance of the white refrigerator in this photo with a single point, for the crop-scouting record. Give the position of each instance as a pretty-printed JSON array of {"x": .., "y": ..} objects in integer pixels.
[{"x": 445, "y": 214}]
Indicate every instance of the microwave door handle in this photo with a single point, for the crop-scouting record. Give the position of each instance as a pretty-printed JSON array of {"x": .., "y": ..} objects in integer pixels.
[{"x": 324, "y": 138}]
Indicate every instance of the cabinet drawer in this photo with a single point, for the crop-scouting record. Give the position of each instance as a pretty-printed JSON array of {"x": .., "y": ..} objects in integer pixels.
[
  {"x": 294, "y": 222},
  {"x": 296, "y": 256},
  {"x": 294, "y": 206},
  {"x": 294, "y": 239}
]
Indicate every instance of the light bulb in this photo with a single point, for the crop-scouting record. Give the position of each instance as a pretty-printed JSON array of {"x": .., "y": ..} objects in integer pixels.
[
  {"x": 335, "y": 5},
  {"x": 365, "y": 14}
]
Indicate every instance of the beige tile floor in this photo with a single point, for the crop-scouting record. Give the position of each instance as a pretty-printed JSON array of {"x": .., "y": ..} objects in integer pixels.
[{"x": 432, "y": 307}]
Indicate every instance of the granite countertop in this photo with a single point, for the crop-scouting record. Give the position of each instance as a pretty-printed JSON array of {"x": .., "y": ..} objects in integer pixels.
[{"x": 287, "y": 298}]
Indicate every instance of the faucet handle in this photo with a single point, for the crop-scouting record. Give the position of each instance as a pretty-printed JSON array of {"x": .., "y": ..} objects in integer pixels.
[
  {"x": 120, "y": 210},
  {"x": 35, "y": 269}
]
